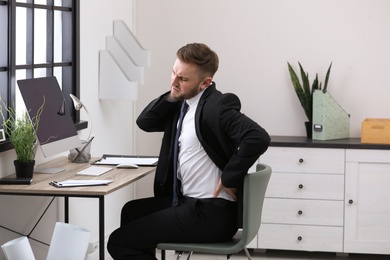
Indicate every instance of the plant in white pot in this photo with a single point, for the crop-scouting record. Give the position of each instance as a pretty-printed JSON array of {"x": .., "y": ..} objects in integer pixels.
[
  {"x": 21, "y": 132},
  {"x": 305, "y": 92}
]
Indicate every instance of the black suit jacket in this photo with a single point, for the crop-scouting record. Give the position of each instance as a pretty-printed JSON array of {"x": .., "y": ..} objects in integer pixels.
[{"x": 232, "y": 140}]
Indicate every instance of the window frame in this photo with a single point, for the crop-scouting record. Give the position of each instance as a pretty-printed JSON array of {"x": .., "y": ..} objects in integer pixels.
[{"x": 70, "y": 69}]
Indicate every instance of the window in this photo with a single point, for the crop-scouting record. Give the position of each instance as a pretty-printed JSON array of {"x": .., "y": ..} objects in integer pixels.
[{"x": 39, "y": 38}]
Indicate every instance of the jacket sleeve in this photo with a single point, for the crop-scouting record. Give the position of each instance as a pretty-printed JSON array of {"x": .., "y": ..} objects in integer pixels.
[
  {"x": 249, "y": 138},
  {"x": 157, "y": 114}
]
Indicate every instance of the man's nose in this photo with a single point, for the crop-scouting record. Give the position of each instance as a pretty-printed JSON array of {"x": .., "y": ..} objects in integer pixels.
[{"x": 174, "y": 81}]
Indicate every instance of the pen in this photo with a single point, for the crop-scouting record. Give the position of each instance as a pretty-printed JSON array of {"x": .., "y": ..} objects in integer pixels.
[{"x": 84, "y": 147}]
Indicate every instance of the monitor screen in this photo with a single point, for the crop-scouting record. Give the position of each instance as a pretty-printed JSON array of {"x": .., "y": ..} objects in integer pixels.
[{"x": 56, "y": 131}]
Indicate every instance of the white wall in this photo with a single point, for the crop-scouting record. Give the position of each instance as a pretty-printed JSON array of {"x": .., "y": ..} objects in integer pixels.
[
  {"x": 256, "y": 38},
  {"x": 112, "y": 124}
]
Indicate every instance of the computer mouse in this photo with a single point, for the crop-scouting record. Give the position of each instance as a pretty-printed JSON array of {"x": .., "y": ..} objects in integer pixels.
[{"x": 127, "y": 166}]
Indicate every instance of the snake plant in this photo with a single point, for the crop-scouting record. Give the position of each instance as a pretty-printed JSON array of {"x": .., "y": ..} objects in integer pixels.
[{"x": 303, "y": 91}]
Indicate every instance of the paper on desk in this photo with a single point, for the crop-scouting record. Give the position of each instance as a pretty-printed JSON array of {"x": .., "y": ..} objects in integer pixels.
[
  {"x": 77, "y": 183},
  {"x": 128, "y": 160}
]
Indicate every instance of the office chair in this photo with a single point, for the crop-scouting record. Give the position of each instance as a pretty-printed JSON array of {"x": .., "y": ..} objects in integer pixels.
[{"x": 255, "y": 185}]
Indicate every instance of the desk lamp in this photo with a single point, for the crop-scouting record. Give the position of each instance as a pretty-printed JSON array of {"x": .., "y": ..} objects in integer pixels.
[{"x": 82, "y": 154}]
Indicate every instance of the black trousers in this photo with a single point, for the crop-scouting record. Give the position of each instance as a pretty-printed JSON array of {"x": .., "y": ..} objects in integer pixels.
[{"x": 147, "y": 222}]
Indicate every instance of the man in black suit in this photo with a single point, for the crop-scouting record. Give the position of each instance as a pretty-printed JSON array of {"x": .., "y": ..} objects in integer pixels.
[{"x": 218, "y": 144}]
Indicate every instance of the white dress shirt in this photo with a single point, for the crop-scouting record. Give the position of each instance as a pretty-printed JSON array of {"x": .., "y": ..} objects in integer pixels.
[{"x": 196, "y": 171}]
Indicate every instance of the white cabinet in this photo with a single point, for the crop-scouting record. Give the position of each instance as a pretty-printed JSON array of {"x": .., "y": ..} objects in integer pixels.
[
  {"x": 329, "y": 196},
  {"x": 304, "y": 204},
  {"x": 367, "y": 202}
]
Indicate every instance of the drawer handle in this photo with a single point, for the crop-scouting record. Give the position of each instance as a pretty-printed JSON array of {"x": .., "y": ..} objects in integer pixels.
[
  {"x": 301, "y": 160},
  {"x": 350, "y": 201},
  {"x": 300, "y": 186},
  {"x": 300, "y": 212},
  {"x": 299, "y": 238}
]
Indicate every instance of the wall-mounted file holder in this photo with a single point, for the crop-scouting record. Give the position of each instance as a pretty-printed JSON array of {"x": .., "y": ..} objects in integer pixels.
[
  {"x": 330, "y": 121},
  {"x": 121, "y": 64}
]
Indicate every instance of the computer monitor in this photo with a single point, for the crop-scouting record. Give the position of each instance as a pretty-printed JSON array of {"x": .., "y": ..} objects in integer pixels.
[{"x": 56, "y": 131}]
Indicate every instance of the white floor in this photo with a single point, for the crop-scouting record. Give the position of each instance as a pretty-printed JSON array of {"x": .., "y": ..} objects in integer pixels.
[{"x": 281, "y": 255}]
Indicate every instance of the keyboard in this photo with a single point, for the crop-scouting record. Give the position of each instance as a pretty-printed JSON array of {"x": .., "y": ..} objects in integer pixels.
[{"x": 94, "y": 171}]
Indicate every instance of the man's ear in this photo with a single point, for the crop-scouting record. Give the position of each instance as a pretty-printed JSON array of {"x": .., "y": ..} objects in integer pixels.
[{"x": 206, "y": 82}]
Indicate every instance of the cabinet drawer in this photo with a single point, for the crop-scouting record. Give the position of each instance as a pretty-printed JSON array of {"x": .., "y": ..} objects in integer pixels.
[
  {"x": 295, "y": 237},
  {"x": 304, "y": 212},
  {"x": 370, "y": 156},
  {"x": 306, "y": 186},
  {"x": 305, "y": 160}
]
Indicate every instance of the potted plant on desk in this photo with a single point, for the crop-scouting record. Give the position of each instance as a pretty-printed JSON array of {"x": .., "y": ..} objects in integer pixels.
[
  {"x": 305, "y": 93},
  {"x": 21, "y": 132}
]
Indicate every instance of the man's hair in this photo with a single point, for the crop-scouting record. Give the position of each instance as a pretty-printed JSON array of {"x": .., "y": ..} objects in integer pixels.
[{"x": 201, "y": 55}]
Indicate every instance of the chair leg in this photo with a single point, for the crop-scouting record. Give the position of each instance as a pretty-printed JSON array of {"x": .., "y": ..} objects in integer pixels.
[
  {"x": 179, "y": 255},
  {"x": 189, "y": 255},
  {"x": 247, "y": 253}
]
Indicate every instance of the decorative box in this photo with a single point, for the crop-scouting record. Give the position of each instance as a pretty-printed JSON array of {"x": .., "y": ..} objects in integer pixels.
[{"x": 376, "y": 131}]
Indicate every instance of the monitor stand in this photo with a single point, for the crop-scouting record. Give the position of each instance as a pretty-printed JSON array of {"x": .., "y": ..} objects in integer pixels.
[{"x": 48, "y": 170}]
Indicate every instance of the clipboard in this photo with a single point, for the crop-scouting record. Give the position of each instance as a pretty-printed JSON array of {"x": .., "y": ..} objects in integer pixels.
[
  {"x": 112, "y": 159},
  {"x": 79, "y": 183}
]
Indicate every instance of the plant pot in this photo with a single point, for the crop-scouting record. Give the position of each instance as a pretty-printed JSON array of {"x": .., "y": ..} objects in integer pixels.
[
  {"x": 309, "y": 130},
  {"x": 24, "y": 169}
]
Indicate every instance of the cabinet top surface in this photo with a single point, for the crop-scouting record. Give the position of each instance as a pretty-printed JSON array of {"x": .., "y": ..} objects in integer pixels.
[{"x": 347, "y": 143}]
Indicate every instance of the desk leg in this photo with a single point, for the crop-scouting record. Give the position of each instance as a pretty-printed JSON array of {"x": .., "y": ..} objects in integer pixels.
[
  {"x": 101, "y": 223},
  {"x": 101, "y": 228},
  {"x": 66, "y": 209}
]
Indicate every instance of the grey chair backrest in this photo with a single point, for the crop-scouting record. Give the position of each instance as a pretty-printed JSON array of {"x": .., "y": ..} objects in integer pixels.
[{"x": 255, "y": 186}]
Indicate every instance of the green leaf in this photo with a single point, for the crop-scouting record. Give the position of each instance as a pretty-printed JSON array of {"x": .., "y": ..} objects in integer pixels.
[
  {"x": 327, "y": 78},
  {"x": 305, "y": 80},
  {"x": 297, "y": 85},
  {"x": 316, "y": 85}
]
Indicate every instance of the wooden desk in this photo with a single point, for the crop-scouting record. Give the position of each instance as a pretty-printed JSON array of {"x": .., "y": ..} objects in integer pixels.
[{"x": 41, "y": 187}]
